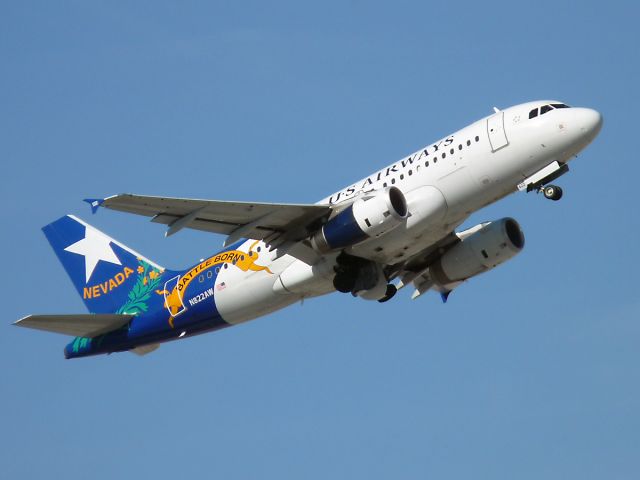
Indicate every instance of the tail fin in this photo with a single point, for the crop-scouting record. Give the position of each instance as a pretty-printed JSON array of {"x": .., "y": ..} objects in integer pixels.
[{"x": 110, "y": 277}]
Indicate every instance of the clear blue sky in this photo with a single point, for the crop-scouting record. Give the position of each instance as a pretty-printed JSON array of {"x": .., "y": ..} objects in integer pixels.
[{"x": 529, "y": 372}]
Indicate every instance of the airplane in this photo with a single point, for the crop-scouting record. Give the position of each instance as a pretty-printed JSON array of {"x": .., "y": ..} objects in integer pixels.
[{"x": 392, "y": 229}]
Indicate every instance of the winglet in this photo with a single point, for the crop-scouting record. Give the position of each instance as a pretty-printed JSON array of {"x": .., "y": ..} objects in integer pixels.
[
  {"x": 95, "y": 203},
  {"x": 445, "y": 295}
]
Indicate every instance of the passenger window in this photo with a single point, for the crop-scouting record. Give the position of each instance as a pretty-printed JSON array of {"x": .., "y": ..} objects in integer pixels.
[
  {"x": 533, "y": 113},
  {"x": 477, "y": 139},
  {"x": 460, "y": 147},
  {"x": 545, "y": 109},
  {"x": 444, "y": 154},
  {"x": 468, "y": 143}
]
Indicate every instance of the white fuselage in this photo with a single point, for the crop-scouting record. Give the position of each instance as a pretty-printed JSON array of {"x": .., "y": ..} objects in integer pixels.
[{"x": 443, "y": 183}]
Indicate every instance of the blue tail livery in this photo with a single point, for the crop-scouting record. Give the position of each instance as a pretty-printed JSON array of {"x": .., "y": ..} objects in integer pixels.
[
  {"x": 104, "y": 271},
  {"x": 134, "y": 303}
]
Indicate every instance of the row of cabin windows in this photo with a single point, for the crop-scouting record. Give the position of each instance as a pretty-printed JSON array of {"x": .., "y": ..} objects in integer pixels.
[
  {"x": 209, "y": 275},
  {"x": 546, "y": 108},
  {"x": 435, "y": 160},
  {"x": 225, "y": 266}
]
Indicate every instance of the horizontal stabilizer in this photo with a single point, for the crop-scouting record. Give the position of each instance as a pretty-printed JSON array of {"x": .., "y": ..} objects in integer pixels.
[
  {"x": 77, "y": 325},
  {"x": 144, "y": 349}
]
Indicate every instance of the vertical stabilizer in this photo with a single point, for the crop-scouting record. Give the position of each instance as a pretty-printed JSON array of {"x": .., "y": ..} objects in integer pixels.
[{"x": 110, "y": 277}]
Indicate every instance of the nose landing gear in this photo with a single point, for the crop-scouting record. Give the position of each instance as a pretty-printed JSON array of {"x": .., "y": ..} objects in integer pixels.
[
  {"x": 552, "y": 192},
  {"x": 540, "y": 182}
]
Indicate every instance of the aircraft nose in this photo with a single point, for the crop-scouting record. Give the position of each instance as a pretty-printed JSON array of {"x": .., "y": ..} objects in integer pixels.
[{"x": 590, "y": 123}]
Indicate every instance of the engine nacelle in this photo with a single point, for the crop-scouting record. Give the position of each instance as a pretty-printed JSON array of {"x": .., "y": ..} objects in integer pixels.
[
  {"x": 369, "y": 216},
  {"x": 485, "y": 247}
]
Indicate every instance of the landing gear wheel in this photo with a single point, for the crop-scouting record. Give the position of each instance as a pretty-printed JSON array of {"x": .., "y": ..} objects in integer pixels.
[
  {"x": 344, "y": 283},
  {"x": 391, "y": 291},
  {"x": 552, "y": 192}
]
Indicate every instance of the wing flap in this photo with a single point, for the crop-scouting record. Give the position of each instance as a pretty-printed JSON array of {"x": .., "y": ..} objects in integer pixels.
[
  {"x": 260, "y": 219},
  {"x": 77, "y": 325},
  {"x": 205, "y": 225}
]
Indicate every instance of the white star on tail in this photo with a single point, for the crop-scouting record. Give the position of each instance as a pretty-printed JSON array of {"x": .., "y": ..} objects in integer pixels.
[{"x": 94, "y": 247}]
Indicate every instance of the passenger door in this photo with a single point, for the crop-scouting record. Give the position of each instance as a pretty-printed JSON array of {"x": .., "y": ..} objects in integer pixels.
[{"x": 495, "y": 131}]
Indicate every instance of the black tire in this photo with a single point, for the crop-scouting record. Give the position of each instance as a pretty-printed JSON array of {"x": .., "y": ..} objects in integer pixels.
[
  {"x": 552, "y": 192},
  {"x": 391, "y": 291},
  {"x": 558, "y": 194},
  {"x": 344, "y": 283}
]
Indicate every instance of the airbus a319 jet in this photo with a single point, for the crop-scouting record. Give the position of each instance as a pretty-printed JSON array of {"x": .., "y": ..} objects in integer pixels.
[{"x": 392, "y": 229}]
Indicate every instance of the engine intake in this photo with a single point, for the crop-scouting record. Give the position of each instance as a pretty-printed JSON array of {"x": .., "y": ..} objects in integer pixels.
[
  {"x": 370, "y": 216},
  {"x": 486, "y": 246}
]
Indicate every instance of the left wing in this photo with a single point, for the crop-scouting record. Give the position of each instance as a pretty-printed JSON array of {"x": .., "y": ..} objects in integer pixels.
[{"x": 275, "y": 223}]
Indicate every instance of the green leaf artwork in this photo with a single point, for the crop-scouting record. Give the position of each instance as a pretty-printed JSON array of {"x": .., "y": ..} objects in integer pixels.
[{"x": 148, "y": 280}]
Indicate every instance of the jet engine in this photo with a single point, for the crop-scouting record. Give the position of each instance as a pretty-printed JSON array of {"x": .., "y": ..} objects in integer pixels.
[
  {"x": 370, "y": 216},
  {"x": 371, "y": 283},
  {"x": 482, "y": 248},
  {"x": 361, "y": 277}
]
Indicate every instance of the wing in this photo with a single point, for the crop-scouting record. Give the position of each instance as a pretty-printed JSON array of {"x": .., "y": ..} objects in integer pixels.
[
  {"x": 276, "y": 223},
  {"x": 80, "y": 325},
  {"x": 415, "y": 270}
]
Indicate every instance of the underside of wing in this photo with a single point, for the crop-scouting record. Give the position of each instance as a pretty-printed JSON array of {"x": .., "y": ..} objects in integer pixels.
[
  {"x": 264, "y": 221},
  {"x": 78, "y": 325},
  {"x": 415, "y": 270}
]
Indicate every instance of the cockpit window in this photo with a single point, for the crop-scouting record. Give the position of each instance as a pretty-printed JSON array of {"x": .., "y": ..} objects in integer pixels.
[{"x": 545, "y": 108}]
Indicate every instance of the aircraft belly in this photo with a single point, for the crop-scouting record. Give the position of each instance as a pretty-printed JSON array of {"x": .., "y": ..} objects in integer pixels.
[
  {"x": 242, "y": 296},
  {"x": 402, "y": 243},
  {"x": 458, "y": 187}
]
